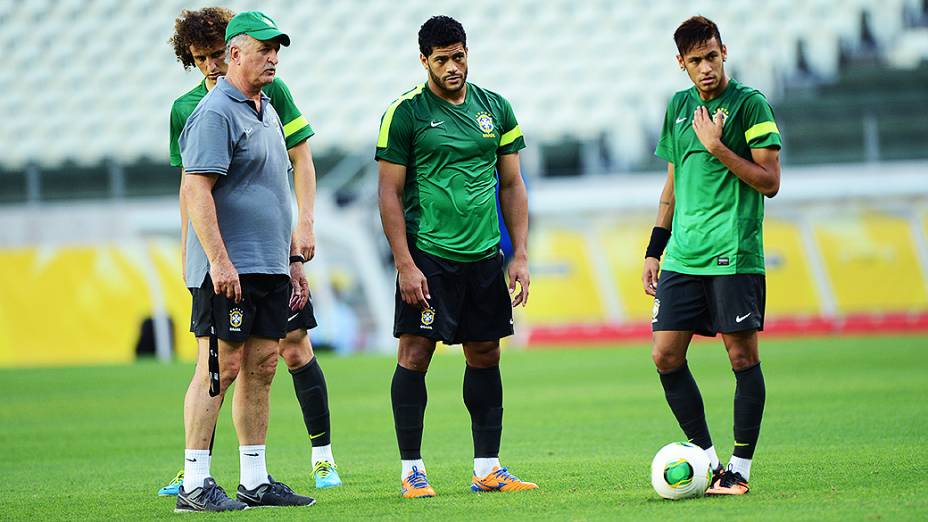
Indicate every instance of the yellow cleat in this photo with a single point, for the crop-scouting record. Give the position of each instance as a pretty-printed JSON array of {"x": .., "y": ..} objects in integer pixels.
[
  {"x": 416, "y": 485},
  {"x": 500, "y": 480}
]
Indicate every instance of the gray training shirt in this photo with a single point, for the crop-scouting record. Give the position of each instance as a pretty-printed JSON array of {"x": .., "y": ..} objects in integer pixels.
[{"x": 224, "y": 135}]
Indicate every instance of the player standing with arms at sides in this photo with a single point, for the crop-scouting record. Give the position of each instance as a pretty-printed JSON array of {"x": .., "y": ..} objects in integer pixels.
[
  {"x": 199, "y": 40},
  {"x": 721, "y": 145},
  {"x": 240, "y": 264},
  {"x": 439, "y": 150}
]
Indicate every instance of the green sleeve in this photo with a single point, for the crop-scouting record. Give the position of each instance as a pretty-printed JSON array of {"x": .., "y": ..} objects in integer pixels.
[
  {"x": 511, "y": 139},
  {"x": 296, "y": 126},
  {"x": 760, "y": 127},
  {"x": 177, "y": 125},
  {"x": 665, "y": 145},
  {"x": 394, "y": 144}
]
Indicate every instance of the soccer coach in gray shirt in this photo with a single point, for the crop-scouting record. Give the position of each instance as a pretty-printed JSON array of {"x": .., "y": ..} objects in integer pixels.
[{"x": 238, "y": 263}]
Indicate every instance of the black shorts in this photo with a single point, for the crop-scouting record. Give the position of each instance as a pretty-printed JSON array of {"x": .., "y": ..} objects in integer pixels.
[
  {"x": 709, "y": 304},
  {"x": 470, "y": 301},
  {"x": 263, "y": 311},
  {"x": 303, "y": 319}
]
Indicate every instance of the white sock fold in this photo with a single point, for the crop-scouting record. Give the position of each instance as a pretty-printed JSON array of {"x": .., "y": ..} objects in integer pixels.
[
  {"x": 408, "y": 465},
  {"x": 253, "y": 467},
  {"x": 713, "y": 457},
  {"x": 740, "y": 465},
  {"x": 323, "y": 453},
  {"x": 484, "y": 466},
  {"x": 196, "y": 468}
]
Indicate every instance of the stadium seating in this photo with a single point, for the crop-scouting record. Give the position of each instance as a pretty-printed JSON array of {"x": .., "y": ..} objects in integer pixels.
[{"x": 95, "y": 79}]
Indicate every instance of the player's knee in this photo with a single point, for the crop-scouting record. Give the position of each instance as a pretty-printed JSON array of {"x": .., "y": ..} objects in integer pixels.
[
  {"x": 483, "y": 355},
  {"x": 665, "y": 360},
  {"x": 742, "y": 359},
  {"x": 295, "y": 351},
  {"x": 228, "y": 371}
]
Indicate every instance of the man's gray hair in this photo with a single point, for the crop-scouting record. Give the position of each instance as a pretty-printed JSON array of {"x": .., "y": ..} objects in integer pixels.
[{"x": 239, "y": 41}]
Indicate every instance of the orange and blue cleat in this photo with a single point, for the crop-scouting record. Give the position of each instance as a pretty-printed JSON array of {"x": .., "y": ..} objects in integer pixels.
[
  {"x": 416, "y": 485},
  {"x": 500, "y": 480}
]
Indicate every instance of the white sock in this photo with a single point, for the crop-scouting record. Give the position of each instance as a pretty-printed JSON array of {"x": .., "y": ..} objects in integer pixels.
[
  {"x": 408, "y": 465},
  {"x": 740, "y": 465},
  {"x": 323, "y": 453},
  {"x": 196, "y": 468},
  {"x": 253, "y": 467},
  {"x": 483, "y": 467},
  {"x": 713, "y": 457}
]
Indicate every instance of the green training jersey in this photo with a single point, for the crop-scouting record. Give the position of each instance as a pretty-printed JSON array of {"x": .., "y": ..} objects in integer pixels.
[
  {"x": 450, "y": 153},
  {"x": 296, "y": 127},
  {"x": 717, "y": 218}
]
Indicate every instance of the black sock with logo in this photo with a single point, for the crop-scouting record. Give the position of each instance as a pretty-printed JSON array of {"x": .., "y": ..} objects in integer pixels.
[
  {"x": 750, "y": 395},
  {"x": 313, "y": 396},
  {"x": 409, "y": 398},
  {"x": 685, "y": 402}
]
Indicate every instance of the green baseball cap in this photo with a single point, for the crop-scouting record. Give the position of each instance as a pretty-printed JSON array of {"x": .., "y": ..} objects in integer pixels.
[{"x": 256, "y": 25}]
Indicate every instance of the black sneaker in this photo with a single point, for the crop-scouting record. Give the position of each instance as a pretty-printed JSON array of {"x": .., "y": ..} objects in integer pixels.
[
  {"x": 729, "y": 483},
  {"x": 716, "y": 475},
  {"x": 273, "y": 494},
  {"x": 209, "y": 497}
]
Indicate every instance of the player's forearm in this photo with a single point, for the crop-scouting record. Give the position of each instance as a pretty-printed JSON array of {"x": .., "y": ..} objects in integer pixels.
[
  {"x": 201, "y": 209},
  {"x": 764, "y": 180},
  {"x": 394, "y": 226},
  {"x": 665, "y": 206},
  {"x": 183, "y": 220},
  {"x": 514, "y": 204},
  {"x": 304, "y": 182}
]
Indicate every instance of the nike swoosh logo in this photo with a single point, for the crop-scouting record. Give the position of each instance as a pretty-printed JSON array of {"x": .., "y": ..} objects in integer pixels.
[
  {"x": 437, "y": 123},
  {"x": 191, "y": 460},
  {"x": 311, "y": 436},
  {"x": 741, "y": 444},
  {"x": 740, "y": 318},
  {"x": 251, "y": 454},
  {"x": 292, "y": 317},
  {"x": 681, "y": 120}
]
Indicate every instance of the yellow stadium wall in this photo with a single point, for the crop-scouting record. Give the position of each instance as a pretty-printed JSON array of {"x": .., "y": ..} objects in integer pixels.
[{"x": 84, "y": 305}]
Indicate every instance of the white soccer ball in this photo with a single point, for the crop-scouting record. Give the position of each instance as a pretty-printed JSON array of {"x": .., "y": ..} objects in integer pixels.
[{"x": 681, "y": 470}]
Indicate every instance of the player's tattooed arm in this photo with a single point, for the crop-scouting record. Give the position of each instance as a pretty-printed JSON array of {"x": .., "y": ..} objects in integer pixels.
[{"x": 665, "y": 209}]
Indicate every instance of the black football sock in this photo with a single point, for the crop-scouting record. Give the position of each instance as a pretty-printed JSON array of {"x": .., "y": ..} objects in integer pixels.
[
  {"x": 409, "y": 398},
  {"x": 311, "y": 392},
  {"x": 686, "y": 403},
  {"x": 483, "y": 396},
  {"x": 750, "y": 394}
]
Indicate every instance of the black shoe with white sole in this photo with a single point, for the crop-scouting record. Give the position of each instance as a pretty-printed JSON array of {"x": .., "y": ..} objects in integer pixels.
[
  {"x": 208, "y": 497},
  {"x": 272, "y": 494}
]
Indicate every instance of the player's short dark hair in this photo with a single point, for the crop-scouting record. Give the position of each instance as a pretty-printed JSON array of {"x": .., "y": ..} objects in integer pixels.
[
  {"x": 204, "y": 28},
  {"x": 440, "y": 31},
  {"x": 695, "y": 31}
]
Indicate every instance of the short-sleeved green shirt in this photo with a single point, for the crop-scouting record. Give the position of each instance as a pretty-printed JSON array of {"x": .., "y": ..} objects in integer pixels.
[
  {"x": 717, "y": 218},
  {"x": 450, "y": 153},
  {"x": 296, "y": 127}
]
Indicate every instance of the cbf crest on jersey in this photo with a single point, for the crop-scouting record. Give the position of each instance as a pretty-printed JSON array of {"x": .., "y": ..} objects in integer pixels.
[
  {"x": 485, "y": 121},
  {"x": 427, "y": 318}
]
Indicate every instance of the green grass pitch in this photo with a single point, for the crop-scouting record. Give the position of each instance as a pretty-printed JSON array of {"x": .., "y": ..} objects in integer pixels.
[{"x": 844, "y": 437}]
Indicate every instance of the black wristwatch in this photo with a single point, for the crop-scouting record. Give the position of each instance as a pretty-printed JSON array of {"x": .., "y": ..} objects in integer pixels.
[{"x": 297, "y": 259}]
